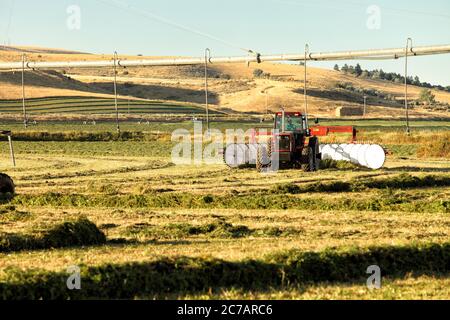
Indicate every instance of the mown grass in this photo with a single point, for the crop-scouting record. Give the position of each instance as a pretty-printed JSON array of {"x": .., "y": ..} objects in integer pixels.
[
  {"x": 190, "y": 275},
  {"x": 403, "y": 181},
  {"x": 433, "y": 286}
]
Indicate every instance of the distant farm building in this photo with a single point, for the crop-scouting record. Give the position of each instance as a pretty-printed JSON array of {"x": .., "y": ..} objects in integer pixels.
[{"x": 349, "y": 111}]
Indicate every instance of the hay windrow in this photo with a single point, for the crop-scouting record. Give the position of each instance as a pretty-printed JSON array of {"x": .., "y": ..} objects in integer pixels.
[
  {"x": 383, "y": 200},
  {"x": 81, "y": 232},
  {"x": 217, "y": 229},
  {"x": 399, "y": 182}
]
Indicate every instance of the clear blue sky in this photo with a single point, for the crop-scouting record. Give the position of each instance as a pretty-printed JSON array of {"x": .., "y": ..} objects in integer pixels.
[{"x": 268, "y": 26}]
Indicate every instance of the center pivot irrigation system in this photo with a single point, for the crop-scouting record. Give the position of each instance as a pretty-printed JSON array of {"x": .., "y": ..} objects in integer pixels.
[{"x": 301, "y": 144}]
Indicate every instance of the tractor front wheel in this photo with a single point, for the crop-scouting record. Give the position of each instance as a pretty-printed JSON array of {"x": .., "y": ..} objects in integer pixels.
[{"x": 307, "y": 159}]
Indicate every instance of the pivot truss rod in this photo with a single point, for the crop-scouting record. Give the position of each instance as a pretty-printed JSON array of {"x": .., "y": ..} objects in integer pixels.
[{"x": 377, "y": 54}]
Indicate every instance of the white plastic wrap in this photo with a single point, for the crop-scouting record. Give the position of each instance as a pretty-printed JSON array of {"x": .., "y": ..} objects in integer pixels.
[{"x": 366, "y": 155}]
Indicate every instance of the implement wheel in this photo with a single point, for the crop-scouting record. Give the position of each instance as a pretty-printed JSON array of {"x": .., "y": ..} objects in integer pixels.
[{"x": 7, "y": 187}]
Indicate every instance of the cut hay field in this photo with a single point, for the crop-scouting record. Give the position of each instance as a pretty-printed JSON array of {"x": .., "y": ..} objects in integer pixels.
[{"x": 140, "y": 227}]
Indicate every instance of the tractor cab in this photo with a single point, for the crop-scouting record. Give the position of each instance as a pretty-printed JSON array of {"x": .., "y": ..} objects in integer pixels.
[
  {"x": 290, "y": 122},
  {"x": 292, "y": 132}
]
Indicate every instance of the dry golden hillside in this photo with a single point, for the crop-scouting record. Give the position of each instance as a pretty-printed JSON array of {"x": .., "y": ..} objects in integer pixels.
[{"x": 233, "y": 86}]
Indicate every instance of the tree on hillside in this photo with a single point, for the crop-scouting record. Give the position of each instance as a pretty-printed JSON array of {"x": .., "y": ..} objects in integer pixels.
[
  {"x": 376, "y": 75},
  {"x": 257, "y": 73},
  {"x": 410, "y": 80},
  {"x": 336, "y": 67},
  {"x": 344, "y": 68},
  {"x": 416, "y": 81},
  {"x": 427, "y": 97},
  {"x": 358, "y": 70},
  {"x": 365, "y": 74},
  {"x": 389, "y": 76},
  {"x": 351, "y": 69}
]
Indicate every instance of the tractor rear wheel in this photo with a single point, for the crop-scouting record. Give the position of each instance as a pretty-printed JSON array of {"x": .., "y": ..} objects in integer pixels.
[
  {"x": 7, "y": 187},
  {"x": 264, "y": 157}
]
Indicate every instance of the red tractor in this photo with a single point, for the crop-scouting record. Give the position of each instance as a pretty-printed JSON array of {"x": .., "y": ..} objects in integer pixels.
[{"x": 294, "y": 144}]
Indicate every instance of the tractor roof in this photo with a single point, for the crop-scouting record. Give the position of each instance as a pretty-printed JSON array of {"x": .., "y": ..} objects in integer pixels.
[{"x": 296, "y": 114}]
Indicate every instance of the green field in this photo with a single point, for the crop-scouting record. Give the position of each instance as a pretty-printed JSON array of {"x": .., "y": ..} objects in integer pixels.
[
  {"x": 155, "y": 125},
  {"x": 203, "y": 232},
  {"x": 91, "y": 105}
]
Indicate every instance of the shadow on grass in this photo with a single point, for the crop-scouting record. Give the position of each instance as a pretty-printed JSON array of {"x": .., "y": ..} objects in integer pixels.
[
  {"x": 346, "y": 96},
  {"x": 417, "y": 169},
  {"x": 158, "y": 92},
  {"x": 122, "y": 242},
  {"x": 184, "y": 275},
  {"x": 295, "y": 290}
]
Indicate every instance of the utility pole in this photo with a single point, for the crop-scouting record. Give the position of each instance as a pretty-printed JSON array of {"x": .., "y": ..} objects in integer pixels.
[
  {"x": 115, "y": 91},
  {"x": 207, "y": 57},
  {"x": 408, "y": 42},
  {"x": 305, "y": 86},
  {"x": 25, "y": 120},
  {"x": 11, "y": 150}
]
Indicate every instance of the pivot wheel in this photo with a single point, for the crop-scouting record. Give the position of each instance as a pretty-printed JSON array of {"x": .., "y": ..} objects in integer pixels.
[{"x": 7, "y": 187}]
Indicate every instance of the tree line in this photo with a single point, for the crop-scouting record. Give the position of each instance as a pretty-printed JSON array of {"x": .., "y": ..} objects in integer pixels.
[{"x": 379, "y": 74}]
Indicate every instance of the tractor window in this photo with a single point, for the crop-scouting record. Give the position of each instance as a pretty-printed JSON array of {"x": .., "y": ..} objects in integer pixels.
[{"x": 292, "y": 123}]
